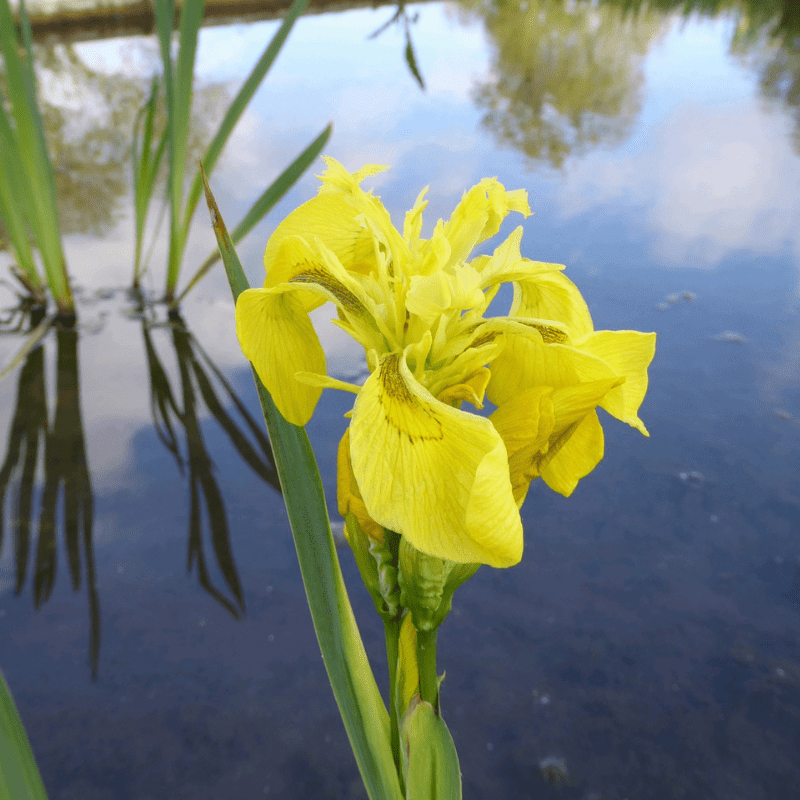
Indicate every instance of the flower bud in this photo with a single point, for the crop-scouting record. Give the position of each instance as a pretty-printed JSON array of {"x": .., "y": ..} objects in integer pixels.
[{"x": 428, "y": 583}]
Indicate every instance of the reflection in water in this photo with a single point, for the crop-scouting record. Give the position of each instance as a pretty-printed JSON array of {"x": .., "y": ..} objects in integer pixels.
[
  {"x": 67, "y": 476},
  {"x": 194, "y": 367},
  {"x": 566, "y": 75},
  {"x": 770, "y": 43},
  {"x": 89, "y": 117}
]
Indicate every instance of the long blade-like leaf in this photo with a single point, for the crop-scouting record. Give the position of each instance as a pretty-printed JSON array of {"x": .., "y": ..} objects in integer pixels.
[
  {"x": 237, "y": 107},
  {"x": 19, "y": 775},
  {"x": 265, "y": 202},
  {"x": 354, "y": 687},
  {"x": 39, "y": 191}
]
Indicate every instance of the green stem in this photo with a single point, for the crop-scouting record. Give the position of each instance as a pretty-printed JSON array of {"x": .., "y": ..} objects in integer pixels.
[
  {"x": 392, "y": 631},
  {"x": 426, "y": 663}
]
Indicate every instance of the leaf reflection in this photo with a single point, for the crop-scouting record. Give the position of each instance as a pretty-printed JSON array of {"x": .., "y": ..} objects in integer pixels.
[
  {"x": 196, "y": 370},
  {"x": 66, "y": 476}
]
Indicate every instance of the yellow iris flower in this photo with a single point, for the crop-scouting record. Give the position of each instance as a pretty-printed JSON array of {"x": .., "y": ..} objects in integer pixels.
[{"x": 449, "y": 481}]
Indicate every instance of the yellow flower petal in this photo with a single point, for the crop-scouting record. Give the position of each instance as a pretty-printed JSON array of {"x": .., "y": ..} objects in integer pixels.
[
  {"x": 506, "y": 264},
  {"x": 330, "y": 218},
  {"x": 348, "y": 495},
  {"x": 412, "y": 226},
  {"x": 576, "y": 444},
  {"x": 537, "y": 427},
  {"x": 551, "y": 295},
  {"x": 479, "y": 214},
  {"x": 471, "y": 390},
  {"x": 338, "y": 216},
  {"x": 276, "y": 335},
  {"x": 525, "y": 423},
  {"x": 581, "y": 452},
  {"x": 628, "y": 353},
  {"x": 437, "y": 475},
  {"x": 527, "y": 361}
]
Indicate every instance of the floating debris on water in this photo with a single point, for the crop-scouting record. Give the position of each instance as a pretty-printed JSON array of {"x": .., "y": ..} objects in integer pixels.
[
  {"x": 691, "y": 477},
  {"x": 554, "y": 769},
  {"x": 676, "y": 297},
  {"x": 730, "y": 336}
]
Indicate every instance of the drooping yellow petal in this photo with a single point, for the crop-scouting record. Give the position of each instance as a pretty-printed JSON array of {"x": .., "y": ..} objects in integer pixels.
[
  {"x": 437, "y": 475},
  {"x": 537, "y": 427},
  {"x": 527, "y": 360},
  {"x": 348, "y": 495},
  {"x": 576, "y": 443},
  {"x": 552, "y": 295},
  {"x": 526, "y": 424},
  {"x": 276, "y": 335},
  {"x": 580, "y": 453},
  {"x": 628, "y": 353}
]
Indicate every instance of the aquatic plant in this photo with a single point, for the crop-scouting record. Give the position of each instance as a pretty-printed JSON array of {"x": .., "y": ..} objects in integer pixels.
[
  {"x": 429, "y": 490},
  {"x": 149, "y": 148},
  {"x": 28, "y": 202},
  {"x": 19, "y": 775}
]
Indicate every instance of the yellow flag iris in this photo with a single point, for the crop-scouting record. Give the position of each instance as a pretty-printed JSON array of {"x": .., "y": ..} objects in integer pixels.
[{"x": 448, "y": 480}]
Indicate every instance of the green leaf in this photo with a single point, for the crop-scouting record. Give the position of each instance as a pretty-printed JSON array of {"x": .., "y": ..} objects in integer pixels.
[
  {"x": 19, "y": 775},
  {"x": 362, "y": 709},
  {"x": 430, "y": 761},
  {"x": 31, "y": 180},
  {"x": 238, "y": 105}
]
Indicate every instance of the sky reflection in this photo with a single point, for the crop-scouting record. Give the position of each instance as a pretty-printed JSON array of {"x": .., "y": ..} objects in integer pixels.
[{"x": 653, "y": 608}]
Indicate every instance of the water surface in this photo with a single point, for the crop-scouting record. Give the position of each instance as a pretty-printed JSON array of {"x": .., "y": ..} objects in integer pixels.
[{"x": 649, "y": 638}]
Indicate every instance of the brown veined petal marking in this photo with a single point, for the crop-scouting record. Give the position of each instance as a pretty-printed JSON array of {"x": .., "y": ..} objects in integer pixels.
[{"x": 435, "y": 474}]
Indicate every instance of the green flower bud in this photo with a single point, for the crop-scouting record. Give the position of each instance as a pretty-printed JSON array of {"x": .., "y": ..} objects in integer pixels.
[
  {"x": 430, "y": 762},
  {"x": 427, "y": 585},
  {"x": 377, "y": 563}
]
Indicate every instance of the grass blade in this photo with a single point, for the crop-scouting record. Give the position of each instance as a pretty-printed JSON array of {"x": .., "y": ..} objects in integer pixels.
[
  {"x": 19, "y": 775},
  {"x": 240, "y": 102},
  {"x": 145, "y": 170},
  {"x": 38, "y": 190},
  {"x": 354, "y": 687},
  {"x": 265, "y": 202},
  {"x": 179, "y": 105}
]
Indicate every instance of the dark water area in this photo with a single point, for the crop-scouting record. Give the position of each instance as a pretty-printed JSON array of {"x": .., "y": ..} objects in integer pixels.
[{"x": 650, "y": 638}]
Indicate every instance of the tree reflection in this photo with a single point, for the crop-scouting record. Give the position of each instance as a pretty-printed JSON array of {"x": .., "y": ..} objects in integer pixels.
[
  {"x": 89, "y": 117},
  {"x": 566, "y": 74},
  {"x": 768, "y": 40}
]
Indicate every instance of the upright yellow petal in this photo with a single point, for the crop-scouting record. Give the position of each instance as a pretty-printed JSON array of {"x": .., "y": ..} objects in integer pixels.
[
  {"x": 330, "y": 218},
  {"x": 276, "y": 334},
  {"x": 437, "y": 475},
  {"x": 479, "y": 214},
  {"x": 552, "y": 295},
  {"x": 506, "y": 264}
]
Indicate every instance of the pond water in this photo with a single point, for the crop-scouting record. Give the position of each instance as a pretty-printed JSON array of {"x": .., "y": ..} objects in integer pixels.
[{"x": 154, "y": 630}]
